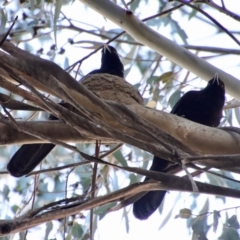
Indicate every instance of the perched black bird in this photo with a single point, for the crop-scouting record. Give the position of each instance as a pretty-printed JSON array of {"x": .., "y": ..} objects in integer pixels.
[
  {"x": 204, "y": 107},
  {"x": 110, "y": 62},
  {"x": 30, "y": 155}
]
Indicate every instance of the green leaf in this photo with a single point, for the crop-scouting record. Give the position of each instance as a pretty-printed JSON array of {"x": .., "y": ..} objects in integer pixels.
[
  {"x": 48, "y": 230},
  {"x": 103, "y": 210},
  {"x": 14, "y": 208},
  {"x": 233, "y": 222},
  {"x": 69, "y": 236},
  {"x": 58, "y": 7},
  {"x": 166, "y": 219},
  {"x": 174, "y": 98},
  {"x": 176, "y": 28},
  {"x": 129, "y": 57},
  {"x": 200, "y": 227},
  {"x": 153, "y": 80},
  {"x": 6, "y": 191},
  {"x": 192, "y": 14},
  {"x": 118, "y": 155},
  {"x": 229, "y": 234},
  {"x": 126, "y": 218},
  {"x": 216, "y": 216},
  {"x": 133, "y": 178},
  {"x": 3, "y": 20},
  {"x": 205, "y": 207},
  {"x": 237, "y": 114},
  {"x": 167, "y": 76},
  {"x": 32, "y": 4},
  {"x": 127, "y": 71},
  {"x": 66, "y": 63},
  {"x": 136, "y": 86},
  {"x": 77, "y": 230},
  {"x": 134, "y": 5},
  {"x": 185, "y": 213}
]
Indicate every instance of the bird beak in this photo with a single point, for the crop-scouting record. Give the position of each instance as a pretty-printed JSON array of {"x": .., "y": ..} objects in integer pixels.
[
  {"x": 216, "y": 78},
  {"x": 105, "y": 48}
]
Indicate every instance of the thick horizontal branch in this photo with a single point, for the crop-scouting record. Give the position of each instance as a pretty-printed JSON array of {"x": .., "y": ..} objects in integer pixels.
[
  {"x": 53, "y": 129},
  {"x": 20, "y": 223},
  {"x": 177, "y": 54},
  {"x": 168, "y": 182},
  {"x": 7, "y": 102},
  {"x": 200, "y": 138}
]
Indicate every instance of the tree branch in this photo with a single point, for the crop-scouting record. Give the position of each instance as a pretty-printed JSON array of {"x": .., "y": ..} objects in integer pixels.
[
  {"x": 177, "y": 54},
  {"x": 53, "y": 129}
]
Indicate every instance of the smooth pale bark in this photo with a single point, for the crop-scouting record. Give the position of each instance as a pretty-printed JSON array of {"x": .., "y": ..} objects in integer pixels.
[
  {"x": 175, "y": 53},
  {"x": 200, "y": 138},
  {"x": 54, "y": 130}
]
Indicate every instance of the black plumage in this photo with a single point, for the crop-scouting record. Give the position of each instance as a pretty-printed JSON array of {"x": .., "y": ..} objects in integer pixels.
[
  {"x": 204, "y": 107},
  {"x": 110, "y": 63},
  {"x": 30, "y": 155}
]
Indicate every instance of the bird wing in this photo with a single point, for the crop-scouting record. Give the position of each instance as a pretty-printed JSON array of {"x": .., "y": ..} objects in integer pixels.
[{"x": 183, "y": 102}]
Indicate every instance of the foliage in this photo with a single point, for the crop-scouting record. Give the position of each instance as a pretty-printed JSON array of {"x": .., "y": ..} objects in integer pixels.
[{"x": 65, "y": 32}]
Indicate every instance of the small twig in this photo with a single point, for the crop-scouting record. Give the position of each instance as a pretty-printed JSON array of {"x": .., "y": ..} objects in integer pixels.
[
  {"x": 212, "y": 19},
  {"x": 94, "y": 177},
  {"x": 226, "y": 157},
  {"x": 66, "y": 190},
  {"x": 19, "y": 91},
  {"x": 194, "y": 185},
  {"x": 52, "y": 205},
  {"x": 36, "y": 178},
  {"x": 223, "y": 4},
  {"x": 37, "y": 134},
  {"x": 232, "y": 104},
  {"x": 10, "y": 117},
  {"x": 8, "y": 31},
  {"x": 224, "y": 10},
  {"x": 206, "y": 170},
  {"x": 20, "y": 224},
  {"x": 213, "y": 49},
  {"x": 121, "y": 33},
  {"x": 125, "y": 4},
  {"x": 73, "y": 165},
  {"x": 13, "y": 104}
]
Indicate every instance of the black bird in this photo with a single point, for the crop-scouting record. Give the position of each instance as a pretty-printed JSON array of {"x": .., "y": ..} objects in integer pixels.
[
  {"x": 204, "y": 107},
  {"x": 110, "y": 62},
  {"x": 30, "y": 155}
]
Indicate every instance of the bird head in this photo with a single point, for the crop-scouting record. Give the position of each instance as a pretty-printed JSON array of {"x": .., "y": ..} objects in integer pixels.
[
  {"x": 216, "y": 82},
  {"x": 111, "y": 62},
  {"x": 216, "y": 86}
]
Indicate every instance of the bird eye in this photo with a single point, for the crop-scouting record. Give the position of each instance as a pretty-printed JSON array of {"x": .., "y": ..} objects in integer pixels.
[{"x": 221, "y": 85}]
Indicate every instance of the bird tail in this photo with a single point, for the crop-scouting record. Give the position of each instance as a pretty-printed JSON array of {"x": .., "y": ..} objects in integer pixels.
[
  {"x": 149, "y": 203},
  {"x": 27, "y": 158}
]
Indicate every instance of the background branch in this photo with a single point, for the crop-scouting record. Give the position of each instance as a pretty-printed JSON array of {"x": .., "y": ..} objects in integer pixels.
[{"x": 177, "y": 54}]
